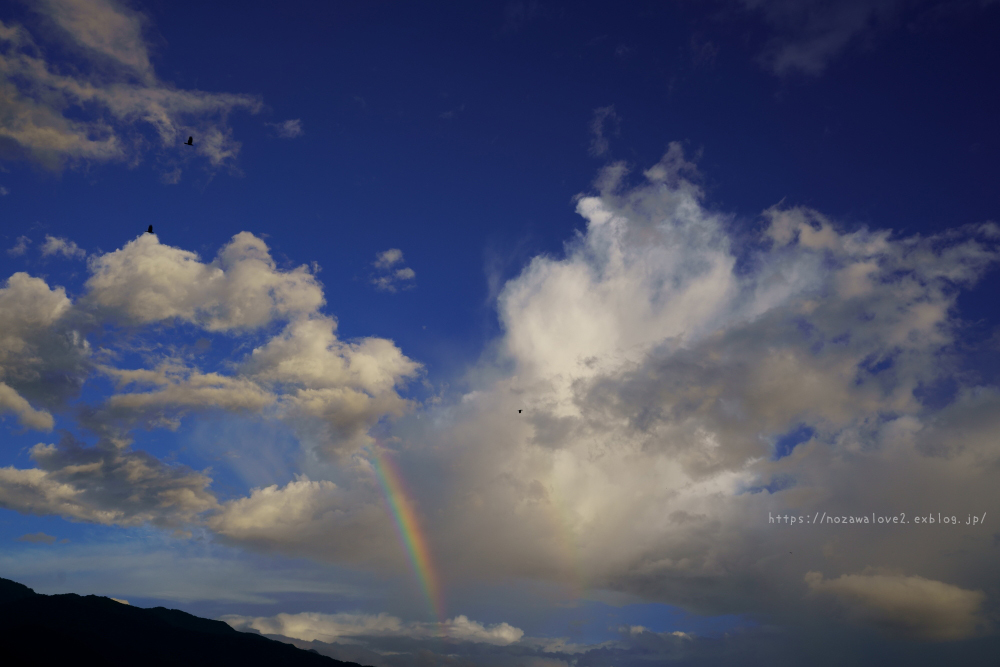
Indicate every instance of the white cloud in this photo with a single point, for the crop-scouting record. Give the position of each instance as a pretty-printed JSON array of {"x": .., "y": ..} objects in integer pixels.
[
  {"x": 655, "y": 376},
  {"x": 384, "y": 283},
  {"x": 911, "y": 607},
  {"x": 42, "y": 358},
  {"x": 348, "y": 627},
  {"x": 11, "y": 401},
  {"x": 175, "y": 389},
  {"x": 388, "y": 258},
  {"x": 106, "y": 484},
  {"x": 313, "y": 518},
  {"x": 147, "y": 282},
  {"x": 55, "y": 245},
  {"x": 331, "y": 392},
  {"x": 390, "y": 279},
  {"x": 288, "y": 129},
  {"x": 100, "y": 108},
  {"x": 656, "y": 361},
  {"x": 346, "y": 387}
]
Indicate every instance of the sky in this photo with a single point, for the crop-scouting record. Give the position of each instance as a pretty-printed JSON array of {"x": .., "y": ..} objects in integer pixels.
[{"x": 509, "y": 333}]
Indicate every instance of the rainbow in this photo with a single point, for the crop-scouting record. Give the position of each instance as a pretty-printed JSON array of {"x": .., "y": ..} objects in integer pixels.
[{"x": 413, "y": 538}]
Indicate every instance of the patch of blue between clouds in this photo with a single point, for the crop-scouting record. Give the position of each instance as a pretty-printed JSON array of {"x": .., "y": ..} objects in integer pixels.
[
  {"x": 875, "y": 364},
  {"x": 937, "y": 394},
  {"x": 777, "y": 483},
  {"x": 785, "y": 443}
]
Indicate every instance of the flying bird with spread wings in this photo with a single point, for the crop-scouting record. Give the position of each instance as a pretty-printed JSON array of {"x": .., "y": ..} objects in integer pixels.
[
  {"x": 189, "y": 142},
  {"x": 150, "y": 230}
]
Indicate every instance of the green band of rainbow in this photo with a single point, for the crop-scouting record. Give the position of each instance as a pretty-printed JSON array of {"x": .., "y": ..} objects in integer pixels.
[{"x": 413, "y": 538}]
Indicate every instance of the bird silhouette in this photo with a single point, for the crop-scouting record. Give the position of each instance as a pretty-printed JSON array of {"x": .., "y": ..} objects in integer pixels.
[
  {"x": 518, "y": 412},
  {"x": 189, "y": 142},
  {"x": 150, "y": 230}
]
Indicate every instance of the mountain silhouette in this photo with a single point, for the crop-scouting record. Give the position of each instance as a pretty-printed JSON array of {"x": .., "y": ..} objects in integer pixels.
[{"x": 74, "y": 629}]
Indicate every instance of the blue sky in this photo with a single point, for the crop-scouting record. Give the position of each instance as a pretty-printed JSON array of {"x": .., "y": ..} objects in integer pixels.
[{"x": 705, "y": 247}]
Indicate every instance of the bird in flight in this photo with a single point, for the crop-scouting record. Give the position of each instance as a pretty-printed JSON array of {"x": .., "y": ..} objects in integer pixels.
[
  {"x": 189, "y": 142},
  {"x": 150, "y": 230}
]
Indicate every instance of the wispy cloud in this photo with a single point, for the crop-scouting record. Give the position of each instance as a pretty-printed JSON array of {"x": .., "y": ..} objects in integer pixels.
[
  {"x": 451, "y": 114},
  {"x": 388, "y": 258},
  {"x": 20, "y": 247},
  {"x": 810, "y": 34},
  {"x": 288, "y": 129},
  {"x": 37, "y": 538},
  {"x": 391, "y": 279},
  {"x": 100, "y": 104},
  {"x": 605, "y": 120},
  {"x": 55, "y": 245}
]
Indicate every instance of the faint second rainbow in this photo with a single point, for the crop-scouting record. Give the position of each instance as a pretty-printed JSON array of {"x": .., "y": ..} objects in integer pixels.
[{"x": 412, "y": 536}]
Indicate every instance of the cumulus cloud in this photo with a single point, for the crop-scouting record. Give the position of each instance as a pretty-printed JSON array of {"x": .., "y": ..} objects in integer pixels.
[
  {"x": 346, "y": 387},
  {"x": 658, "y": 362},
  {"x": 146, "y": 281},
  {"x": 390, "y": 279},
  {"x": 331, "y": 391},
  {"x": 288, "y": 129},
  {"x": 317, "y": 519},
  {"x": 43, "y": 359},
  {"x": 55, "y": 245},
  {"x": 103, "y": 102},
  {"x": 658, "y": 366},
  {"x": 349, "y": 628},
  {"x": 105, "y": 484},
  {"x": 305, "y": 369},
  {"x": 910, "y": 607}
]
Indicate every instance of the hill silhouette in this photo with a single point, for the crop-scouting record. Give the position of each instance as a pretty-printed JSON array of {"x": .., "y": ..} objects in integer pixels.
[{"x": 74, "y": 629}]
